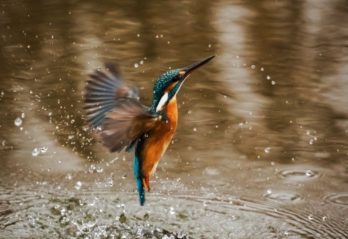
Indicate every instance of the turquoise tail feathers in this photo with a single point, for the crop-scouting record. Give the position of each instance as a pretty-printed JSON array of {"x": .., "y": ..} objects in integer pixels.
[
  {"x": 141, "y": 191},
  {"x": 139, "y": 180}
]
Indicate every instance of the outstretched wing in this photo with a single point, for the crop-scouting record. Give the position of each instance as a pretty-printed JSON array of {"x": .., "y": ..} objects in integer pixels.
[
  {"x": 102, "y": 92},
  {"x": 126, "y": 122},
  {"x": 114, "y": 107}
]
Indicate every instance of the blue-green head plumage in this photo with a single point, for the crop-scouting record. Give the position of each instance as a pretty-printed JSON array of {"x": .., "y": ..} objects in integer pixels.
[
  {"x": 162, "y": 83},
  {"x": 169, "y": 83}
]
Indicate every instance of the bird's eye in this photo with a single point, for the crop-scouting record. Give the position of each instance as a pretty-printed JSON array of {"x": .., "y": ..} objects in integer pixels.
[{"x": 176, "y": 78}]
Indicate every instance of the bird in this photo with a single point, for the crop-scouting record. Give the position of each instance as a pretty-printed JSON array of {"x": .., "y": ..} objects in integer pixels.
[{"x": 121, "y": 122}]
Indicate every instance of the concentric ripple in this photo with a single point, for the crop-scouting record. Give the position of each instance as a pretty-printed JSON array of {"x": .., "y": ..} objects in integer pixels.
[
  {"x": 283, "y": 196},
  {"x": 337, "y": 198},
  {"x": 299, "y": 174}
]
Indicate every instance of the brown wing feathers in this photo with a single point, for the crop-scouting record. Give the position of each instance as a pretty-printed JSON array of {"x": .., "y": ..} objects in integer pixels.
[
  {"x": 125, "y": 123},
  {"x": 114, "y": 107}
]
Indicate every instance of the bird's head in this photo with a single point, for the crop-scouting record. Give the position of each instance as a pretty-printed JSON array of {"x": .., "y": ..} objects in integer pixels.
[{"x": 169, "y": 84}]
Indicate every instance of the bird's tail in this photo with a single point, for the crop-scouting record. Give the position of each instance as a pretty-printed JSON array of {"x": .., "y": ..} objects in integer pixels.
[{"x": 139, "y": 180}]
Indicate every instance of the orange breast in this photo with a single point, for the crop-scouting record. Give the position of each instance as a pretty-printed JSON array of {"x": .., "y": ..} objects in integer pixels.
[{"x": 158, "y": 139}]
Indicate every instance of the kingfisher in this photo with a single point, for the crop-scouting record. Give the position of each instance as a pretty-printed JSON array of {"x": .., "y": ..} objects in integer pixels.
[{"x": 113, "y": 109}]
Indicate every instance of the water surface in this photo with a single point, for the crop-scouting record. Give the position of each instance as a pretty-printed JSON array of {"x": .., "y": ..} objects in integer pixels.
[{"x": 262, "y": 144}]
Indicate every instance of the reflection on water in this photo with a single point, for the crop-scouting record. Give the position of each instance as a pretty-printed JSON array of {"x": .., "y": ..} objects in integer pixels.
[{"x": 261, "y": 146}]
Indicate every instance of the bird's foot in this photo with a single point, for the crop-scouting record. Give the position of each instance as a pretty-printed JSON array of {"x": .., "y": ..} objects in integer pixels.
[{"x": 146, "y": 182}]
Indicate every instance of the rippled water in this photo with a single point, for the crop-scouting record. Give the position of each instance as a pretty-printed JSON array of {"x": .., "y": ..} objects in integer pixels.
[{"x": 261, "y": 149}]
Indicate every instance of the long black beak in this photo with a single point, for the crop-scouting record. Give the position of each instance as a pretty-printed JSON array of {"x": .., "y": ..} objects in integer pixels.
[{"x": 188, "y": 69}]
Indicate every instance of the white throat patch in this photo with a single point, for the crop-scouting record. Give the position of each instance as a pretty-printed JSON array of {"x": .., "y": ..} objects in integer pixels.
[{"x": 162, "y": 102}]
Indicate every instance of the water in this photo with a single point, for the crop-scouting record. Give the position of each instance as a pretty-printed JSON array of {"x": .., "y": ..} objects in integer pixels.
[{"x": 261, "y": 149}]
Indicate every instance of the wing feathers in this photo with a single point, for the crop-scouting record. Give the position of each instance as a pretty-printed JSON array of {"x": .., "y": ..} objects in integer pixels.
[
  {"x": 114, "y": 107},
  {"x": 125, "y": 123},
  {"x": 102, "y": 93}
]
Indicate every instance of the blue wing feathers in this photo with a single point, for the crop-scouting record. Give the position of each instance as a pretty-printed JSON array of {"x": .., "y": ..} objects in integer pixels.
[
  {"x": 96, "y": 112},
  {"x": 102, "y": 92},
  {"x": 101, "y": 81}
]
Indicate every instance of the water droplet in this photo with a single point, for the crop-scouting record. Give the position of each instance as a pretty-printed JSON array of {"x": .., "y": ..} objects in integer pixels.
[
  {"x": 195, "y": 129},
  {"x": 262, "y": 69},
  {"x": 141, "y": 62},
  {"x": 273, "y": 82},
  {"x": 171, "y": 211},
  {"x": 267, "y": 150},
  {"x": 99, "y": 169},
  {"x": 35, "y": 152},
  {"x": 78, "y": 185},
  {"x": 209, "y": 45},
  {"x": 168, "y": 237},
  {"x": 23, "y": 115},
  {"x": 309, "y": 173},
  {"x": 68, "y": 176},
  {"x": 138, "y": 35},
  {"x": 109, "y": 182},
  {"x": 92, "y": 168},
  {"x": 253, "y": 67},
  {"x": 310, "y": 217},
  {"x": 268, "y": 77},
  {"x": 136, "y": 65},
  {"x": 18, "y": 122},
  {"x": 43, "y": 149}
]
